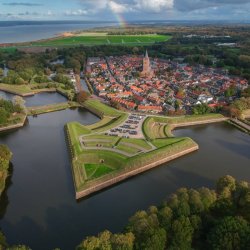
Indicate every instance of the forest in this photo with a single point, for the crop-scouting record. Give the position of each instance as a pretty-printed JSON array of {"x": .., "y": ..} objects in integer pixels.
[{"x": 189, "y": 219}]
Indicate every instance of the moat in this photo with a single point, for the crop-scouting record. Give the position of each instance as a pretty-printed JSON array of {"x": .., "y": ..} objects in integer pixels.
[{"x": 40, "y": 208}]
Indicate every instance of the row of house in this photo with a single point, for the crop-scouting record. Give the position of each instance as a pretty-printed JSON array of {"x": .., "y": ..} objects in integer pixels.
[{"x": 169, "y": 84}]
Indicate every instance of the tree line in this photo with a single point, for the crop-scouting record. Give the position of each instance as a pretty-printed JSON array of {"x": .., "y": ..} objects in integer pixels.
[{"x": 190, "y": 219}]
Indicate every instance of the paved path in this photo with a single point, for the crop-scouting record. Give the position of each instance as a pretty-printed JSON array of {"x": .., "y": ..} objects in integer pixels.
[
  {"x": 112, "y": 150},
  {"x": 98, "y": 141}
]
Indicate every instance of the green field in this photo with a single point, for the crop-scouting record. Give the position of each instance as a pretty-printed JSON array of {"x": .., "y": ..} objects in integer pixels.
[
  {"x": 104, "y": 39},
  {"x": 161, "y": 127},
  {"x": 51, "y": 108}
]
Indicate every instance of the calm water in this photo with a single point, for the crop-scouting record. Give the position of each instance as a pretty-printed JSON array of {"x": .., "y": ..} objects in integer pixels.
[
  {"x": 39, "y": 99},
  {"x": 40, "y": 210},
  {"x": 13, "y": 32},
  {"x": 84, "y": 85}
]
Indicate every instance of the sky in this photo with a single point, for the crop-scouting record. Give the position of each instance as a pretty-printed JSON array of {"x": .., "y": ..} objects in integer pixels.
[{"x": 126, "y": 10}]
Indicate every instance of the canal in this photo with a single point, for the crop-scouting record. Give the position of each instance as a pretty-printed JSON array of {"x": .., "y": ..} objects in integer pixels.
[
  {"x": 39, "y": 208},
  {"x": 39, "y": 99}
]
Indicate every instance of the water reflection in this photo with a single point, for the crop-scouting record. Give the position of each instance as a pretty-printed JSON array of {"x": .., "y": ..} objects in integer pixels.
[
  {"x": 37, "y": 100},
  {"x": 4, "y": 200},
  {"x": 43, "y": 212}
]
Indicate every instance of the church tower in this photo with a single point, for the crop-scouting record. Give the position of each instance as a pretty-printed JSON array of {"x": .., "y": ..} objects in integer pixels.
[{"x": 147, "y": 71}]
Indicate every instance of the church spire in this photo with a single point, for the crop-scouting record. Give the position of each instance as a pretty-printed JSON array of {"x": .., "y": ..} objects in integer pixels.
[{"x": 146, "y": 55}]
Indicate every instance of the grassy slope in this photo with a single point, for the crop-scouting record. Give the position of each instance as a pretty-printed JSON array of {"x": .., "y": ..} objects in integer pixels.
[
  {"x": 51, "y": 108},
  {"x": 101, "y": 109},
  {"x": 153, "y": 130},
  {"x": 17, "y": 89}
]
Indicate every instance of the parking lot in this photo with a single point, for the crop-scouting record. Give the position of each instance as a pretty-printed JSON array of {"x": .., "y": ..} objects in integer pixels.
[{"x": 131, "y": 128}]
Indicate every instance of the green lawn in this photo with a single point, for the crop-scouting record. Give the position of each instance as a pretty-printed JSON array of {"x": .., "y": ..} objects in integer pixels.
[
  {"x": 101, "y": 109},
  {"x": 166, "y": 141},
  {"x": 101, "y": 170},
  {"x": 138, "y": 142},
  {"x": 75, "y": 129},
  {"x": 104, "y": 39},
  {"x": 101, "y": 123},
  {"x": 16, "y": 89},
  {"x": 51, "y": 108},
  {"x": 126, "y": 149},
  {"x": 96, "y": 170},
  {"x": 153, "y": 127},
  {"x": 8, "y": 49}
]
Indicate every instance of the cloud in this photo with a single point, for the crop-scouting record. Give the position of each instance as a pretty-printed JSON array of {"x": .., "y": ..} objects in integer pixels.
[
  {"x": 79, "y": 12},
  {"x": 119, "y": 8},
  {"x": 190, "y": 5},
  {"x": 95, "y": 4},
  {"x": 154, "y": 5},
  {"x": 27, "y": 13},
  {"x": 22, "y": 4},
  {"x": 125, "y": 6}
]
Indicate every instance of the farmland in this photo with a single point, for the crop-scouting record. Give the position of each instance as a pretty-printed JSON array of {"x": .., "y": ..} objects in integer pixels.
[{"x": 104, "y": 39}]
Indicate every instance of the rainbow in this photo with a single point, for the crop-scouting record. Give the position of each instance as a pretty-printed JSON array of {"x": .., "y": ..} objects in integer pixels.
[{"x": 121, "y": 20}]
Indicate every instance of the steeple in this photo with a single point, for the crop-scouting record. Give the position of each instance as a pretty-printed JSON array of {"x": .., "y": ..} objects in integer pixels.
[{"x": 147, "y": 71}]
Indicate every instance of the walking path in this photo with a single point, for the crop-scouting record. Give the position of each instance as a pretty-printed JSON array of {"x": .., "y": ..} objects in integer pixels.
[{"x": 112, "y": 150}]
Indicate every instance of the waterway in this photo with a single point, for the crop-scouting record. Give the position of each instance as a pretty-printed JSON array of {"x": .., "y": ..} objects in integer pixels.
[
  {"x": 84, "y": 85},
  {"x": 39, "y": 208},
  {"x": 39, "y": 99}
]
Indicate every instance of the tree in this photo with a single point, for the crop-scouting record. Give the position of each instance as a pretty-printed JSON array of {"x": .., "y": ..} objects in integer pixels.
[
  {"x": 19, "y": 247},
  {"x": 18, "y": 101},
  {"x": 3, "y": 115},
  {"x": 90, "y": 243},
  {"x": 208, "y": 197},
  {"x": 201, "y": 109},
  {"x": 82, "y": 96},
  {"x": 5, "y": 152},
  {"x": 143, "y": 227},
  {"x": 165, "y": 217},
  {"x": 156, "y": 241},
  {"x": 195, "y": 202},
  {"x": 234, "y": 112},
  {"x": 3, "y": 243},
  {"x": 231, "y": 91},
  {"x": 182, "y": 233},
  {"x": 123, "y": 241},
  {"x": 246, "y": 92},
  {"x": 135, "y": 50},
  {"x": 231, "y": 233},
  {"x": 225, "y": 182}
]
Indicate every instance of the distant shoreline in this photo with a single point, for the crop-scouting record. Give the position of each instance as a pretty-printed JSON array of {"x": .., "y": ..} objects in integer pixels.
[{"x": 13, "y": 32}]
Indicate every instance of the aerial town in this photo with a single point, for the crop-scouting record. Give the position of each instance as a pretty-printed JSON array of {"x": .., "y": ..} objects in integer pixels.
[{"x": 160, "y": 86}]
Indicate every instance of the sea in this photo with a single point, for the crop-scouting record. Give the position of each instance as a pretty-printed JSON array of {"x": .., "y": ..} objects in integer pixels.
[{"x": 26, "y": 31}]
